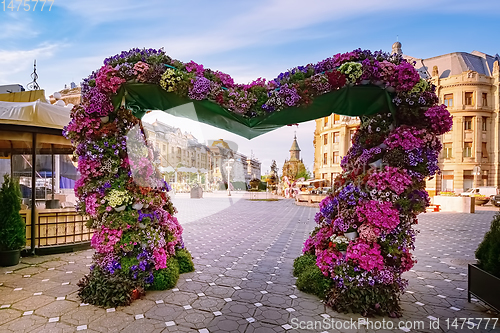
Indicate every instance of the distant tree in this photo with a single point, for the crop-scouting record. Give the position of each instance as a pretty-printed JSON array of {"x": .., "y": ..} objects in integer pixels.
[
  {"x": 303, "y": 172},
  {"x": 274, "y": 168}
]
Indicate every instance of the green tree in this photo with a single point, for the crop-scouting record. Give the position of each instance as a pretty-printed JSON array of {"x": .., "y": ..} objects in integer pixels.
[
  {"x": 303, "y": 172},
  {"x": 12, "y": 227}
]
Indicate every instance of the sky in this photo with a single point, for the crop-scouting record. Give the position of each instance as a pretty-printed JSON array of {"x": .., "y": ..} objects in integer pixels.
[{"x": 246, "y": 39}]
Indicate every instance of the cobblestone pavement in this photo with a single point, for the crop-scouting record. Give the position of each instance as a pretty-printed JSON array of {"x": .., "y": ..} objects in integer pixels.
[{"x": 243, "y": 251}]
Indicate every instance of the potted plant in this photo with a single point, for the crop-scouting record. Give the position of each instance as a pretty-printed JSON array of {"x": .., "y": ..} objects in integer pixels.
[
  {"x": 351, "y": 233},
  {"x": 340, "y": 243},
  {"x": 484, "y": 277},
  {"x": 12, "y": 226}
]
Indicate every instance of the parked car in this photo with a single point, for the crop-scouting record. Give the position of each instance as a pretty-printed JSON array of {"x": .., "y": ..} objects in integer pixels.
[
  {"x": 488, "y": 191},
  {"x": 496, "y": 200}
]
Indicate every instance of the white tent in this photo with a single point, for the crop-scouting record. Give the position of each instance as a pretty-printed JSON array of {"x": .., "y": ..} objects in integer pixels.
[{"x": 36, "y": 113}]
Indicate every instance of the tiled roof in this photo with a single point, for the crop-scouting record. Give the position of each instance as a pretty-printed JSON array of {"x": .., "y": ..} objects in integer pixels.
[{"x": 456, "y": 63}]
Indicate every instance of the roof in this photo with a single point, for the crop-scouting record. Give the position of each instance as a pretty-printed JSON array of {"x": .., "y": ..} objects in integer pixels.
[
  {"x": 295, "y": 145},
  {"x": 456, "y": 63},
  {"x": 36, "y": 113}
]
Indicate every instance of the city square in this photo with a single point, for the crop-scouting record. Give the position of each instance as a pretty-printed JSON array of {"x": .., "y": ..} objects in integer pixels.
[
  {"x": 243, "y": 253},
  {"x": 264, "y": 166}
]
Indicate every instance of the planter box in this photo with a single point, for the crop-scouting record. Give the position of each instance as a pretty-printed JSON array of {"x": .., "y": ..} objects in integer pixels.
[
  {"x": 454, "y": 204},
  {"x": 484, "y": 286}
]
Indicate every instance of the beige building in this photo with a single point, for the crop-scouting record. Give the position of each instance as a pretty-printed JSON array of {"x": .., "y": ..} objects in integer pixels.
[
  {"x": 332, "y": 139},
  {"x": 469, "y": 84}
]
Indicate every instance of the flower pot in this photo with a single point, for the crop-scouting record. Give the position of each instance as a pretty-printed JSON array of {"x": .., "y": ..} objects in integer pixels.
[
  {"x": 137, "y": 206},
  {"x": 343, "y": 253},
  {"x": 104, "y": 120},
  {"x": 377, "y": 164},
  {"x": 390, "y": 89},
  {"x": 145, "y": 206},
  {"x": 120, "y": 208},
  {"x": 378, "y": 83},
  {"x": 351, "y": 235},
  {"x": 365, "y": 82},
  {"x": 9, "y": 258},
  {"x": 382, "y": 146},
  {"x": 484, "y": 286}
]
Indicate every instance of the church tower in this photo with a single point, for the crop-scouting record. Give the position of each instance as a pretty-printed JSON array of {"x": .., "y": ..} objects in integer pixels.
[
  {"x": 295, "y": 150},
  {"x": 294, "y": 166}
]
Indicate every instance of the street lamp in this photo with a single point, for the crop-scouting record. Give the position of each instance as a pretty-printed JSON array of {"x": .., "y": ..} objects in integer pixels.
[
  {"x": 476, "y": 171},
  {"x": 229, "y": 166}
]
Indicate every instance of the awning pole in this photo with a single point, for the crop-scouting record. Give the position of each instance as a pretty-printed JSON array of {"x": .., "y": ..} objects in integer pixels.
[{"x": 33, "y": 193}]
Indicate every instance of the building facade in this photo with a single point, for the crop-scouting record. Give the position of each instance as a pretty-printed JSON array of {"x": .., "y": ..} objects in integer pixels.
[
  {"x": 469, "y": 85},
  {"x": 332, "y": 139}
]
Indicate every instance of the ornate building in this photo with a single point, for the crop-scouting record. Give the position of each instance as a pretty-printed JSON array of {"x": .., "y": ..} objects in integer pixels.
[
  {"x": 295, "y": 164},
  {"x": 332, "y": 139},
  {"x": 469, "y": 84}
]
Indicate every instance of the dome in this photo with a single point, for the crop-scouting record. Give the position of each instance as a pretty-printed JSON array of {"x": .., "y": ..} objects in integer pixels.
[{"x": 396, "y": 45}]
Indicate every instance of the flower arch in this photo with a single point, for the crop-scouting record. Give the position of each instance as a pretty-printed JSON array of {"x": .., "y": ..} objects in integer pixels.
[{"x": 137, "y": 239}]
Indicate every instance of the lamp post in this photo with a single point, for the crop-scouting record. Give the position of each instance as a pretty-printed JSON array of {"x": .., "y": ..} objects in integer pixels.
[
  {"x": 476, "y": 171},
  {"x": 229, "y": 166}
]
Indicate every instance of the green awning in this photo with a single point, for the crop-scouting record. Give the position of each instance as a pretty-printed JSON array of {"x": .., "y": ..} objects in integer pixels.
[{"x": 348, "y": 101}]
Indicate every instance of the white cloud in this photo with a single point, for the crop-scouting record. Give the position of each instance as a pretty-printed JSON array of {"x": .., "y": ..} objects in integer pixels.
[
  {"x": 16, "y": 61},
  {"x": 17, "y": 26}
]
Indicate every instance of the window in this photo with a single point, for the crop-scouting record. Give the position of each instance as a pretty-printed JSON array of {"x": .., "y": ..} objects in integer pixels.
[
  {"x": 447, "y": 150},
  {"x": 326, "y": 121},
  {"x": 484, "y": 150},
  {"x": 324, "y": 176},
  {"x": 483, "y": 123},
  {"x": 336, "y": 118},
  {"x": 448, "y": 100},
  {"x": 485, "y": 99},
  {"x": 325, "y": 139},
  {"x": 325, "y": 158},
  {"x": 336, "y": 157},
  {"x": 468, "y": 123},
  {"x": 447, "y": 181},
  {"x": 468, "y": 149},
  {"x": 468, "y": 98},
  {"x": 336, "y": 137}
]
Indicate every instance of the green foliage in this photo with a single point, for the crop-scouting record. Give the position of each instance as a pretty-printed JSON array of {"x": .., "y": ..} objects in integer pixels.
[
  {"x": 185, "y": 261},
  {"x": 303, "y": 172},
  {"x": 127, "y": 262},
  {"x": 377, "y": 300},
  {"x": 12, "y": 227},
  {"x": 166, "y": 278},
  {"x": 488, "y": 252},
  {"x": 310, "y": 279},
  {"x": 102, "y": 289},
  {"x": 301, "y": 263}
]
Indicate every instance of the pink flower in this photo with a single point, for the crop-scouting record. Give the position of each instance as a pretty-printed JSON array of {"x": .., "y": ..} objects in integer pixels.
[
  {"x": 160, "y": 258},
  {"x": 367, "y": 256},
  {"x": 108, "y": 79},
  {"x": 379, "y": 214}
]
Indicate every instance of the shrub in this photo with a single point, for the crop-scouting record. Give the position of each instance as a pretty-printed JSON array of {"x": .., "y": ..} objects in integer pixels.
[
  {"x": 376, "y": 300},
  {"x": 12, "y": 227},
  {"x": 166, "y": 278},
  {"x": 310, "y": 279},
  {"x": 302, "y": 263},
  {"x": 185, "y": 261},
  {"x": 488, "y": 252},
  {"x": 106, "y": 290}
]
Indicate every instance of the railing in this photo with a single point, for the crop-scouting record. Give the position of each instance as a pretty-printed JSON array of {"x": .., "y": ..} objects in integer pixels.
[{"x": 56, "y": 227}]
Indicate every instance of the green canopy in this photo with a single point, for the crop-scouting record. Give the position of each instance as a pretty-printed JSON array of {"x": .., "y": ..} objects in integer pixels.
[{"x": 348, "y": 101}]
